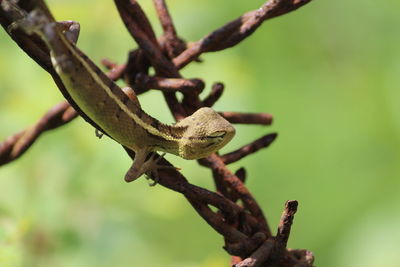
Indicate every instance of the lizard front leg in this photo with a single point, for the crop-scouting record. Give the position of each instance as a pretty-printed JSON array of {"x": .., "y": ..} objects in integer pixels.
[{"x": 142, "y": 166}]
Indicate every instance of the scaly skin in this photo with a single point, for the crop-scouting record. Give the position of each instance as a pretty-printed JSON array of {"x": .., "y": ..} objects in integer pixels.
[{"x": 100, "y": 99}]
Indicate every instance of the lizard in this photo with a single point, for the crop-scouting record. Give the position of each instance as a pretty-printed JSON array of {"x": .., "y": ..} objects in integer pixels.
[{"x": 117, "y": 112}]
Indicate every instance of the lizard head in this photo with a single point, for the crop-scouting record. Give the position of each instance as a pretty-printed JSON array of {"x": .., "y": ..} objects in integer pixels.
[{"x": 206, "y": 132}]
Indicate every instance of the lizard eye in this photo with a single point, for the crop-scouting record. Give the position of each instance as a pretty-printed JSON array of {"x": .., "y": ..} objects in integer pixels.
[{"x": 218, "y": 134}]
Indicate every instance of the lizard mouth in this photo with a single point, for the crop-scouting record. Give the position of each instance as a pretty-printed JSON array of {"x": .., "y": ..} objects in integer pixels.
[{"x": 209, "y": 145}]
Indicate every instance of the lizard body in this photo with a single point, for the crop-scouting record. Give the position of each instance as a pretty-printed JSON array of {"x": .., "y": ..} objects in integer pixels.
[{"x": 120, "y": 116}]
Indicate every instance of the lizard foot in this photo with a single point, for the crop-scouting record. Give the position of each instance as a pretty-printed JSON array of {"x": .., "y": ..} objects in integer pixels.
[
  {"x": 152, "y": 173},
  {"x": 149, "y": 167}
]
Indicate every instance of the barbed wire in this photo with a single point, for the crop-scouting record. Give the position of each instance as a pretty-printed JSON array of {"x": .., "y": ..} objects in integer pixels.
[{"x": 247, "y": 235}]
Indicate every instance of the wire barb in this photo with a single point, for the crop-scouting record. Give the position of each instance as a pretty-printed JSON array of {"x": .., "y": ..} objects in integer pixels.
[
  {"x": 145, "y": 82},
  {"x": 251, "y": 148},
  {"x": 247, "y": 118},
  {"x": 216, "y": 92}
]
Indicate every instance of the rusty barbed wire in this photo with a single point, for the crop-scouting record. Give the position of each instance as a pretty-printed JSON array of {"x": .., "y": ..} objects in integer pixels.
[
  {"x": 247, "y": 118},
  {"x": 247, "y": 235},
  {"x": 216, "y": 92},
  {"x": 237, "y": 30},
  {"x": 168, "y": 84},
  {"x": 251, "y": 148},
  {"x": 14, "y": 146}
]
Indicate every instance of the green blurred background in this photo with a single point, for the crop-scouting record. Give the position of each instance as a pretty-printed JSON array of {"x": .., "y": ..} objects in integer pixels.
[{"x": 329, "y": 73}]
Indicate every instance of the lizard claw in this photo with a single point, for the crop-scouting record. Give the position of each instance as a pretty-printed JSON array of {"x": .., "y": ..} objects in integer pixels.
[{"x": 152, "y": 172}]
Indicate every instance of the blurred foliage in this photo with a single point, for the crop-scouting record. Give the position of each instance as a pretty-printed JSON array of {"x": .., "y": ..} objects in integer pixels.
[{"x": 327, "y": 72}]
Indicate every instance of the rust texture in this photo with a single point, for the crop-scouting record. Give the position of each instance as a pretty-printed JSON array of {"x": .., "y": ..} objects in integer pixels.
[{"x": 236, "y": 216}]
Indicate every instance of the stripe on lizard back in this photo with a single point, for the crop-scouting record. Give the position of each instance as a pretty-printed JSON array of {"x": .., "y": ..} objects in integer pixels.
[{"x": 138, "y": 116}]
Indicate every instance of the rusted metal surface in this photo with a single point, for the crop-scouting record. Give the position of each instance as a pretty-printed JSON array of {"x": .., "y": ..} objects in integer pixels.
[
  {"x": 239, "y": 218},
  {"x": 14, "y": 146}
]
